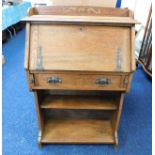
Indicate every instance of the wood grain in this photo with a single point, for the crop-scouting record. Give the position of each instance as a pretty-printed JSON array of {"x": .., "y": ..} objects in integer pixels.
[
  {"x": 133, "y": 63},
  {"x": 30, "y": 80},
  {"x": 39, "y": 113},
  {"x": 27, "y": 47},
  {"x": 79, "y": 11},
  {"x": 31, "y": 11},
  {"x": 85, "y": 48},
  {"x": 79, "y": 102},
  {"x": 79, "y": 45},
  {"x": 81, "y": 19},
  {"x": 77, "y": 131},
  {"x": 76, "y": 81},
  {"x": 116, "y": 118}
]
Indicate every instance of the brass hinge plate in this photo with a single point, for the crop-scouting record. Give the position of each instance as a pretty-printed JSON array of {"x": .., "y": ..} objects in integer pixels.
[
  {"x": 119, "y": 59},
  {"x": 39, "y": 59}
]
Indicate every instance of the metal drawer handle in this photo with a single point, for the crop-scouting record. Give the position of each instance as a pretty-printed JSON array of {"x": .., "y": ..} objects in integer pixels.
[
  {"x": 103, "y": 81},
  {"x": 54, "y": 80}
]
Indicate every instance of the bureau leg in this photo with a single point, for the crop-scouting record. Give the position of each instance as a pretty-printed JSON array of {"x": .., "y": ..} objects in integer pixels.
[
  {"x": 39, "y": 140},
  {"x": 116, "y": 119},
  {"x": 40, "y": 145},
  {"x": 40, "y": 117},
  {"x": 116, "y": 141},
  {"x": 39, "y": 112}
]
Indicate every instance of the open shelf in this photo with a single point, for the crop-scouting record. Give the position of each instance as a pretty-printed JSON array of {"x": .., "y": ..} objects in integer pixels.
[
  {"x": 79, "y": 102},
  {"x": 78, "y": 117},
  {"x": 77, "y": 131}
]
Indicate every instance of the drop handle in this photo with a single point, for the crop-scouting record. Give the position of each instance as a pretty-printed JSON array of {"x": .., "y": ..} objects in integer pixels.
[
  {"x": 54, "y": 80},
  {"x": 103, "y": 81}
]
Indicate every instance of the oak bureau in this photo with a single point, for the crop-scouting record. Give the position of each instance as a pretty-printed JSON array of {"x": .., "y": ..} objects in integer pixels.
[{"x": 79, "y": 63}]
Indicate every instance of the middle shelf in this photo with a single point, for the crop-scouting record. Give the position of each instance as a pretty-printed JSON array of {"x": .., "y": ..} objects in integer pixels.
[{"x": 79, "y": 102}]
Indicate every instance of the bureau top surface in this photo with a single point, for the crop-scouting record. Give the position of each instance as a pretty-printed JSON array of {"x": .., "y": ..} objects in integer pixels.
[
  {"x": 96, "y": 20},
  {"x": 62, "y": 44}
]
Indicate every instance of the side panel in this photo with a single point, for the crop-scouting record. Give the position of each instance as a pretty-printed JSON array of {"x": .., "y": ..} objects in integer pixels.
[{"x": 27, "y": 46}]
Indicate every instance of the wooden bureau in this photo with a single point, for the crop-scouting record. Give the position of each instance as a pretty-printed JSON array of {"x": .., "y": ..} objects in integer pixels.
[{"x": 79, "y": 63}]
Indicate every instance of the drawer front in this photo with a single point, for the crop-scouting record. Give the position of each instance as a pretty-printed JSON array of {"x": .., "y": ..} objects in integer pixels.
[{"x": 77, "y": 81}]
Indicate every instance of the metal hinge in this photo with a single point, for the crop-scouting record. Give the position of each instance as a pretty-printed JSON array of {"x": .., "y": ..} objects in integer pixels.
[
  {"x": 39, "y": 59},
  {"x": 119, "y": 59}
]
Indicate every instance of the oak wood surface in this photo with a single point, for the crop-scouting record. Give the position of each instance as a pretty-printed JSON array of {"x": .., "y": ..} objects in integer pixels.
[
  {"x": 79, "y": 102},
  {"x": 27, "y": 46},
  {"x": 80, "y": 11},
  {"x": 77, "y": 131},
  {"x": 79, "y": 45},
  {"x": 85, "y": 48},
  {"x": 30, "y": 80},
  {"x": 77, "y": 81},
  {"x": 133, "y": 63},
  {"x": 39, "y": 113},
  {"x": 81, "y": 19},
  {"x": 118, "y": 115},
  {"x": 116, "y": 118}
]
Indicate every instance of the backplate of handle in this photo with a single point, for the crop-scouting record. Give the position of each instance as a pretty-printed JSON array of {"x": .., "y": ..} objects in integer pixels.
[
  {"x": 103, "y": 81},
  {"x": 54, "y": 80}
]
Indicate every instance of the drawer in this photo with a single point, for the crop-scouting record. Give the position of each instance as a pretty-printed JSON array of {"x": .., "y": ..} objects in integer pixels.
[{"x": 72, "y": 81}]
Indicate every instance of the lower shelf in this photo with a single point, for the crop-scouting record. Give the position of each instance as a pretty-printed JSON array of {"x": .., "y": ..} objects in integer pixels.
[{"x": 77, "y": 131}]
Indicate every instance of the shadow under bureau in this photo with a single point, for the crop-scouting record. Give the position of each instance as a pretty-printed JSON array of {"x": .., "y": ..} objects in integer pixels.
[{"x": 79, "y": 63}]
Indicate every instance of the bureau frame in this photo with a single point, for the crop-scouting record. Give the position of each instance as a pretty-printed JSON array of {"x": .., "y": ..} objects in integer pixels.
[{"x": 78, "y": 104}]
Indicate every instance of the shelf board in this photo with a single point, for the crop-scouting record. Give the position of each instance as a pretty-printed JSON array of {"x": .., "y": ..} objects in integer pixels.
[
  {"x": 79, "y": 102},
  {"x": 77, "y": 131}
]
